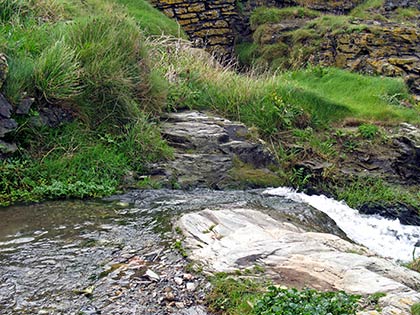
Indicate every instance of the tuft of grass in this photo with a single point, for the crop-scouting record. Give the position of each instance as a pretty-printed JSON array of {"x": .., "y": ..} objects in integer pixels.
[
  {"x": 368, "y": 131},
  {"x": 369, "y": 190},
  {"x": 12, "y": 10},
  {"x": 246, "y": 52},
  {"x": 56, "y": 74},
  {"x": 114, "y": 70},
  {"x": 233, "y": 296},
  {"x": 365, "y": 9}
]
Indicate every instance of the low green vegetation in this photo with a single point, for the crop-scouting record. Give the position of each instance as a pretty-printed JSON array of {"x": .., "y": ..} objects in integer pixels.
[
  {"x": 371, "y": 190},
  {"x": 292, "y": 50},
  {"x": 365, "y": 97},
  {"x": 232, "y": 295},
  {"x": 364, "y": 10},
  {"x": 247, "y": 294},
  {"x": 292, "y": 301},
  {"x": 415, "y": 309},
  {"x": 150, "y": 20}
]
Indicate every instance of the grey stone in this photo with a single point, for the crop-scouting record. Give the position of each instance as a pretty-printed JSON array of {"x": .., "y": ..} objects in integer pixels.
[
  {"x": 6, "y": 126},
  {"x": 152, "y": 275},
  {"x": 5, "y": 107},
  {"x": 407, "y": 141},
  {"x": 196, "y": 310},
  {"x": 206, "y": 148},
  {"x": 25, "y": 106},
  {"x": 7, "y": 148},
  {"x": 293, "y": 257},
  {"x": 4, "y": 68}
]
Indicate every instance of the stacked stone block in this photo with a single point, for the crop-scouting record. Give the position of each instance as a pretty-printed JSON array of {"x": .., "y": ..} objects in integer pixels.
[{"x": 209, "y": 24}]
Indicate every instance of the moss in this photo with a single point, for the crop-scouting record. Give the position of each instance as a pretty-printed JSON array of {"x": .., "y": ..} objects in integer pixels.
[
  {"x": 264, "y": 15},
  {"x": 246, "y": 53},
  {"x": 249, "y": 176}
]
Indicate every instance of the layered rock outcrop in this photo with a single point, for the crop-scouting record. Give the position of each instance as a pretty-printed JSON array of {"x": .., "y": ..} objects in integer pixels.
[
  {"x": 243, "y": 237},
  {"x": 209, "y": 24},
  {"x": 213, "y": 152},
  {"x": 383, "y": 48},
  {"x": 388, "y": 49}
]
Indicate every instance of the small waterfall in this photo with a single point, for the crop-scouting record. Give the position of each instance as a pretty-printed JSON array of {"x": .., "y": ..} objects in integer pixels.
[{"x": 387, "y": 238}]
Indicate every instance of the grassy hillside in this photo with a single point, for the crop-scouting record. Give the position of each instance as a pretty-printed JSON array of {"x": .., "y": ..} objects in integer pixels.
[
  {"x": 108, "y": 63},
  {"x": 91, "y": 59}
]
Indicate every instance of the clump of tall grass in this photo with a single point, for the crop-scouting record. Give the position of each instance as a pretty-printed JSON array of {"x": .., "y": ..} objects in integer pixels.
[
  {"x": 12, "y": 9},
  {"x": 114, "y": 67},
  {"x": 56, "y": 74}
]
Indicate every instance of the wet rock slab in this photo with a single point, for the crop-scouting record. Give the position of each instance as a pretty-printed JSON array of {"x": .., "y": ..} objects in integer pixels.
[
  {"x": 208, "y": 150},
  {"x": 242, "y": 238}
]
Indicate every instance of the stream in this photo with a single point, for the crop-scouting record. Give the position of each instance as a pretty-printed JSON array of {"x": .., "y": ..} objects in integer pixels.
[{"x": 118, "y": 256}]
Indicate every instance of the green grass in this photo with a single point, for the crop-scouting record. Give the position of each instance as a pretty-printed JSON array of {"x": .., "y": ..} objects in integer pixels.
[
  {"x": 366, "y": 97},
  {"x": 315, "y": 97},
  {"x": 233, "y": 296},
  {"x": 245, "y": 52},
  {"x": 308, "y": 301},
  {"x": 264, "y": 15},
  {"x": 415, "y": 309},
  {"x": 245, "y": 295},
  {"x": 364, "y": 10},
  {"x": 150, "y": 20},
  {"x": 370, "y": 190},
  {"x": 90, "y": 58}
]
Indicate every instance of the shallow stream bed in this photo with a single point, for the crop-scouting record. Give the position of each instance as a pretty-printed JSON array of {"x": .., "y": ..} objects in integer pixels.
[{"x": 118, "y": 256}]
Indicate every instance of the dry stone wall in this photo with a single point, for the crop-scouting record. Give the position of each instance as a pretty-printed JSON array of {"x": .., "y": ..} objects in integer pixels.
[
  {"x": 388, "y": 49},
  {"x": 209, "y": 24}
]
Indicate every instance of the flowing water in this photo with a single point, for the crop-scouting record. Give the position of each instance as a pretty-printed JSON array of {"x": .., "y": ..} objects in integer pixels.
[
  {"x": 388, "y": 238},
  {"x": 76, "y": 257}
]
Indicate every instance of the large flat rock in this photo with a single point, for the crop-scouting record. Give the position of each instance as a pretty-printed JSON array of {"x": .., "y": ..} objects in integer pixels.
[
  {"x": 210, "y": 151},
  {"x": 230, "y": 239}
]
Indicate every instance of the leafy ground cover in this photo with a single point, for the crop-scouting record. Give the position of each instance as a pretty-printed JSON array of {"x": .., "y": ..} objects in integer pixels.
[{"x": 243, "y": 294}]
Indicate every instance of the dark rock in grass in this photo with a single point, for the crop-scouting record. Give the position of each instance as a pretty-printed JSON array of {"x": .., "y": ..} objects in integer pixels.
[
  {"x": 5, "y": 107},
  {"x": 395, "y": 4},
  {"x": 4, "y": 68},
  {"x": 213, "y": 152},
  {"x": 7, "y": 148},
  {"x": 24, "y": 106},
  {"x": 6, "y": 126},
  {"x": 407, "y": 215},
  {"x": 407, "y": 142},
  {"x": 52, "y": 116}
]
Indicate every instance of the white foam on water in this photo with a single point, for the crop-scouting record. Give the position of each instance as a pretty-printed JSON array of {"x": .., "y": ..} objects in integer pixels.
[{"x": 387, "y": 238}]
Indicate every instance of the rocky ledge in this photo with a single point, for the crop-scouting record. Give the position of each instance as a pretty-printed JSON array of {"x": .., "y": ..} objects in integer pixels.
[
  {"x": 238, "y": 238},
  {"x": 213, "y": 152}
]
